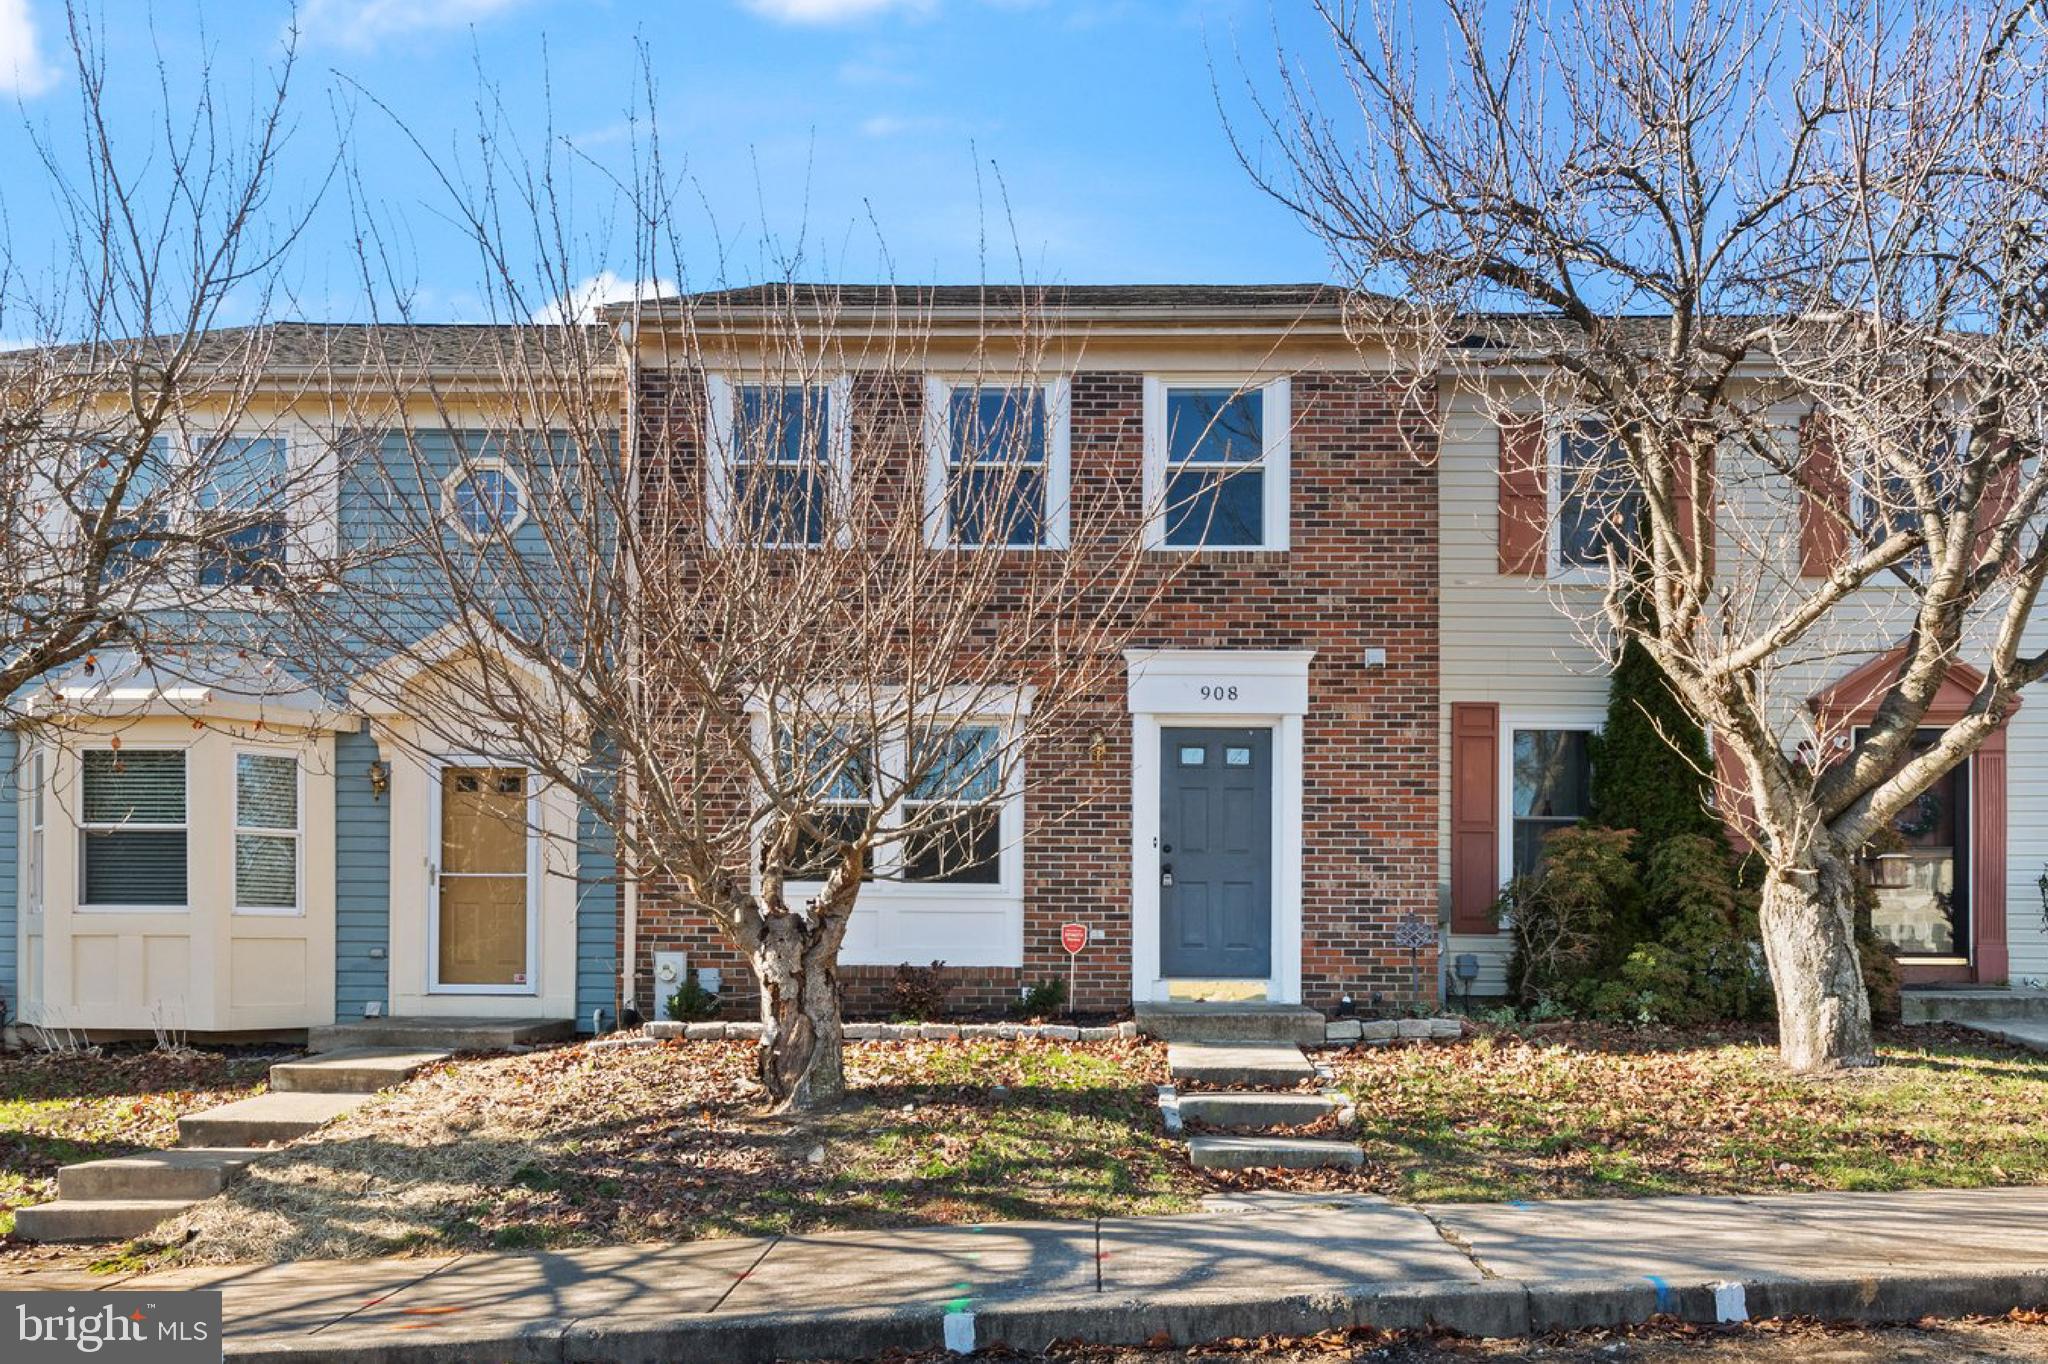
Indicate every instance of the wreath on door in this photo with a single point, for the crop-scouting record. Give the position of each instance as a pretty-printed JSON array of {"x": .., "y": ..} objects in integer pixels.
[{"x": 1921, "y": 818}]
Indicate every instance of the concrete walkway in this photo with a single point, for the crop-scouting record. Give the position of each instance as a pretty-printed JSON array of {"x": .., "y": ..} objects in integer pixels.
[{"x": 1269, "y": 1263}]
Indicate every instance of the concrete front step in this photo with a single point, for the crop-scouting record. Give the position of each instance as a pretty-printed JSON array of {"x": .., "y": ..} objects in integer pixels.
[
  {"x": 1199, "y": 1022},
  {"x": 265, "y": 1120},
  {"x": 2028, "y": 1033},
  {"x": 444, "y": 1034},
  {"x": 1237, "y": 1065},
  {"x": 174, "y": 1174},
  {"x": 118, "y": 1219},
  {"x": 1254, "y": 1111},
  {"x": 1971, "y": 1004},
  {"x": 353, "y": 1070},
  {"x": 1265, "y": 1153}
]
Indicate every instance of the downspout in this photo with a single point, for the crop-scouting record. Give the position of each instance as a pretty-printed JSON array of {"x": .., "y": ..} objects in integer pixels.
[{"x": 629, "y": 898}]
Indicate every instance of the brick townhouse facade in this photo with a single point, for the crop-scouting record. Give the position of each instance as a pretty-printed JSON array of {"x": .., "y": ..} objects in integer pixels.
[{"x": 1321, "y": 636}]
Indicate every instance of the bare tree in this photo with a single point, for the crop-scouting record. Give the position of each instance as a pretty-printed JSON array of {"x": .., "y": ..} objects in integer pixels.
[
  {"x": 142, "y": 482},
  {"x": 779, "y": 652},
  {"x": 1789, "y": 261}
]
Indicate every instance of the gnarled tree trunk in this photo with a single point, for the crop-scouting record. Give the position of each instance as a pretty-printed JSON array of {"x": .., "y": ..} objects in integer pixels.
[
  {"x": 1808, "y": 921},
  {"x": 795, "y": 961}
]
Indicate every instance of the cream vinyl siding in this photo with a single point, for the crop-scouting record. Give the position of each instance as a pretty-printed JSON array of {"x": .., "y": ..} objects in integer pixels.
[{"x": 1512, "y": 641}]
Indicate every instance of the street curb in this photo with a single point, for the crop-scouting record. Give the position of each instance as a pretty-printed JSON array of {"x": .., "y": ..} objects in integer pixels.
[{"x": 1497, "y": 1308}]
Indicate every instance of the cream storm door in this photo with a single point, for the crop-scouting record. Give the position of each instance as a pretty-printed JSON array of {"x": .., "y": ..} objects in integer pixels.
[{"x": 483, "y": 904}]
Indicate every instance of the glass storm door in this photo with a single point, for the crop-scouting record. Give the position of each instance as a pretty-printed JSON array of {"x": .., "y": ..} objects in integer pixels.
[
  {"x": 1921, "y": 872},
  {"x": 482, "y": 902}
]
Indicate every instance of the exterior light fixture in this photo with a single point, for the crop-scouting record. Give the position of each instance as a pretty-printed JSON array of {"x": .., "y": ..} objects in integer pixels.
[{"x": 380, "y": 779}]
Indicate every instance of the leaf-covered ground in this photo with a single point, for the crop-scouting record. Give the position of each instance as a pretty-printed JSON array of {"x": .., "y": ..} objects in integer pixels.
[
  {"x": 58, "y": 1109},
  {"x": 576, "y": 1147},
  {"x": 1576, "y": 1112}
]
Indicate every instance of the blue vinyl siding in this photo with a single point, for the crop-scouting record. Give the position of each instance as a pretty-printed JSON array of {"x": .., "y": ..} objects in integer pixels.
[
  {"x": 362, "y": 880},
  {"x": 597, "y": 921},
  {"x": 10, "y": 881}
]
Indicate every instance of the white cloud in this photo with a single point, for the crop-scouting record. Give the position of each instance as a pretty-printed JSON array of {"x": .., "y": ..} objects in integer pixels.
[
  {"x": 22, "y": 69},
  {"x": 364, "y": 24},
  {"x": 582, "y": 302},
  {"x": 833, "y": 11}
]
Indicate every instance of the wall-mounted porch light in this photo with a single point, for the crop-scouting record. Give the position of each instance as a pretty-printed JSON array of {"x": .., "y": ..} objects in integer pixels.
[{"x": 380, "y": 779}]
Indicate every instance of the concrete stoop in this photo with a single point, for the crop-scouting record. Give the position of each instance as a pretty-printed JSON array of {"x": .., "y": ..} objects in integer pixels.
[
  {"x": 128, "y": 1196},
  {"x": 440, "y": 1034},
  {"x": 1263, "y": 1096},
  {"x": 1204, "y": 1022},
  {"x": 1970, "y": 1004}
]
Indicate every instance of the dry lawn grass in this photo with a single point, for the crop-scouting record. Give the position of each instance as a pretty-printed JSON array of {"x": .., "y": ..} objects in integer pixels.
[{"x": 576, "y": 1147}]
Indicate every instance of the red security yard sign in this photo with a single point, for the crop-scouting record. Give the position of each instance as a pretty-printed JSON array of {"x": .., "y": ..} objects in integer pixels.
[{"x": 1073, "y": 937}]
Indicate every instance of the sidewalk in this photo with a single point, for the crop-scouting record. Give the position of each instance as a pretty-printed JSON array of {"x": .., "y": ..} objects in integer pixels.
[{"x": 1284, "y": 1263}]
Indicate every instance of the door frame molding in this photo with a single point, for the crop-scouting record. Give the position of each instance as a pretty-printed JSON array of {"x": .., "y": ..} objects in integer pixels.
[
  {"x": 1224, "y": 688},
  {"x": 440, "y": 765}
]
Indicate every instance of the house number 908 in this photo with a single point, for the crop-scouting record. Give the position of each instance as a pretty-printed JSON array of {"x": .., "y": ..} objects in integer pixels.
[{"x": 1219, "y": 693}]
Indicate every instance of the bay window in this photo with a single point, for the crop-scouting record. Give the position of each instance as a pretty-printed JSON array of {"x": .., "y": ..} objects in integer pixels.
[
  {"x": 132, "y": 828},
  {"x": 266, "y": 833}
]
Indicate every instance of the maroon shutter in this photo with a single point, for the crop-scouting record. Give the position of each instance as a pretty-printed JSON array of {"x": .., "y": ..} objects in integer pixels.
[
  {"x": 1684, "y": 453},
  {"x": 1731, "y": 796},
  {"x": 1475, "y": 815},
  {"x": 1994, "y": 504},
  {"x": 1524, "y": 531},
  {"x": 1823, "y": 498},
  {"x": 1993, "y": 957}
]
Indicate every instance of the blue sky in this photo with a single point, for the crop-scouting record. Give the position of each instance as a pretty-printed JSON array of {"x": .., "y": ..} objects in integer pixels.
[{"x": 848, "y": 127}]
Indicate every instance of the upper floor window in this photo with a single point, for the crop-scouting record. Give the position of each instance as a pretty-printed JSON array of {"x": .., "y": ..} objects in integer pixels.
[
  {"x": 779, "y": 453},
  {"x": 131, "y": 829},
  {"x": 484, "y": 500},
  {"x": 998, "y": 461},
  {"x": 224, "y": 511},
  {"x": 1216, "y": 468},
  {"x": 1886, "y": 502},
  {"x": 1597, "y": 505}
]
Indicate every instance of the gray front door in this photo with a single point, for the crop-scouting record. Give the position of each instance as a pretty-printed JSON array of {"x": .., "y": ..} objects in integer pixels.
[{"x": 1216, "y": 854}]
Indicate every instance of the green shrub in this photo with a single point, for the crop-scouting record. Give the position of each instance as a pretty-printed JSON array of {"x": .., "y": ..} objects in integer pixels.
[
  {"x": 691, "y": 1003},
  {"x": 1567, "y": 920},
  {"x": 1044, "y": 999},
  {"x": 1703, "y": 963},
  {"x": 1650, "y": 763}
]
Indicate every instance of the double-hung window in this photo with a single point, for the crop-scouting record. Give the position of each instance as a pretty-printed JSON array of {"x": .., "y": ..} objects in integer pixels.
[
  {"x": 998, "y": 461},
  {"x": 131, "y": 829},
  {"x": 1885, "y": 501},
  {"x": 1596, "y": 503},
  {"x": 957, "y": 835},
  {"x": 780, "y": 452},
  {"x": 1217, "y": 464},
  {"x": 242, "y": 522},
  {"x": 236, "y": 506},
  {"x": 942, "y": 802},
  {"x": 32, "y": 879},
  {"x": 1548, "y": 786},
  {"x": 832, "y": 769},
  {"x": 266, "y": 833}
]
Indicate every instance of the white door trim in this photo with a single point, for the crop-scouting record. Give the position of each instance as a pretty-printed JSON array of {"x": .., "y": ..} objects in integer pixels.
[
  {"x": 440, "y": 766},
  {"x": 1221, "y": 688}
]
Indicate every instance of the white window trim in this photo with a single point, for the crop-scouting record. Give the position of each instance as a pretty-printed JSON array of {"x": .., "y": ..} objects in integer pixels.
[
  {"x": 1587, "y": 721},
  {"x": 1556, "y": 426},
  {"x": 80, "y": 828},
  {"x": 1056, "y": 523},
  {"x": 34, "y": 819},
  {"x": 1277, "y": 425},
  {"x": 297, "y": 833},
  {"x": 889, "y": 758},
  {"x": 460, "y": 474},
  {"x": 312, "y": 516},
  {"x": 722, "y": 414}
]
